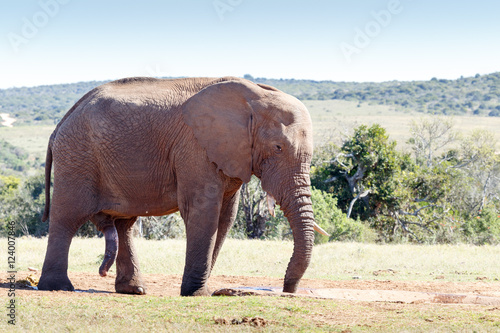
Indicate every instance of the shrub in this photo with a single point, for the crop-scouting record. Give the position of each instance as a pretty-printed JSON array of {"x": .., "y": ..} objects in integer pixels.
[
  {"x": 160, "y": 227},
  {"x": 335, "y": 222},
  {"x": 24, "y": 204},
  {"x": 484, "y": 228}
]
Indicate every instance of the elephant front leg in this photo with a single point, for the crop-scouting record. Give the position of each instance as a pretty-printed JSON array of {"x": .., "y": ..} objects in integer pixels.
[
  {"x": 128, "y": 276},
  {"x": 226, "y": 221},
  {"x": 201, "y": 233}
]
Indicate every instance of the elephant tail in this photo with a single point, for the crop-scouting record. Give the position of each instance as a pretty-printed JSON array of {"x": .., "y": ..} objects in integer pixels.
[{"x": 48, "y": 171}]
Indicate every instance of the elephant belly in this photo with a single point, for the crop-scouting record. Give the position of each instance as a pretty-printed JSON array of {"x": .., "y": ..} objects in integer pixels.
[
  {"x": 128, "y": 208},
  {"x": 139, "y": 198}
]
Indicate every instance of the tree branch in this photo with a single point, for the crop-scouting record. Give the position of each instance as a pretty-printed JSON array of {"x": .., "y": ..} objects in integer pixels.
[{"x": 360, "y": 195}]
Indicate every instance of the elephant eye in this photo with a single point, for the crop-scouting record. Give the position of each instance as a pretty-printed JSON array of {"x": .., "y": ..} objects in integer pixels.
[{"x": 278, "y": 148}]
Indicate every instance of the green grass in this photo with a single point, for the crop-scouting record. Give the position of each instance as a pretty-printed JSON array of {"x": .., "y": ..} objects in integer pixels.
[
  {"x": 334, "y": 261},
  {"x": 33, "y": 139},
  {"x": 175, "y": 314},
  {"x": 83, "y": 312}
]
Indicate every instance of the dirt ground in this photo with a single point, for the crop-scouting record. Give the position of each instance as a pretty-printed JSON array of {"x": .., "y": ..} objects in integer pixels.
[{"x": 477, "y": 292}]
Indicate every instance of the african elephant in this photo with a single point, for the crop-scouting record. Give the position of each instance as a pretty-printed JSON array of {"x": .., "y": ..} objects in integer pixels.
[{"x": 149, "y": 147}]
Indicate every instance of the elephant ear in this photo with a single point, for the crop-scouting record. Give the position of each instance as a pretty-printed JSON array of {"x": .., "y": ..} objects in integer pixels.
[{"x": 221, "y": 119}]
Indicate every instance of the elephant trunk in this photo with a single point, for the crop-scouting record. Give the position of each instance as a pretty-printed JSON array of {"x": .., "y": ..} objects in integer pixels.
[
  {"x": 293, "y": 194},
  {"x": 111, "y": 237},
  {"x": 300, "y": 216}
]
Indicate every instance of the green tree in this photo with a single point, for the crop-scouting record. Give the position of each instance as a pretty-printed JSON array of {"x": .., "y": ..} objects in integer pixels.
[
  {"x": 441, "y": 197},
  {"x": 480, "y": 164},
  {"x": 253, "y": 214},
  {"x": 361, "y": 173},
  {"x": 429, "y": 137},
  {"x": 24, "y": 204}
]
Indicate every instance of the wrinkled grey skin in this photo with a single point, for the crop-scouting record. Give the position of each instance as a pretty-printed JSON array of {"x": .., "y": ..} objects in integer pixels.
[{"x": 150, "y": 147}]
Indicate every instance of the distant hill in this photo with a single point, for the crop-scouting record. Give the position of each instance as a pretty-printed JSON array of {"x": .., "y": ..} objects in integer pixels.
[
  {"x": 42, "y": 104},
  {"x": 478, "y": 95}
]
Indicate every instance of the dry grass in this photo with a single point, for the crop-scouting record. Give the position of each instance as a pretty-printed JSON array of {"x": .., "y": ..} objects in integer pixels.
[
  {"x": 334, "y": 117},
  {"x": 33, "y": 139},
  {"x": 83, "y": 312},
  {"x": 335, "y": 261},
  {"x": 63, "y": 313}
]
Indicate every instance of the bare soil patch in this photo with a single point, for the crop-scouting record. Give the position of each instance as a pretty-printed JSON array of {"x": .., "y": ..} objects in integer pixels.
[{"x": 363, "y": 290}]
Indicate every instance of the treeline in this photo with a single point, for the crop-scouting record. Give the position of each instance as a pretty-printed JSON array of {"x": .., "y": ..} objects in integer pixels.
[
  {"x": 446, "y": 190},
  {"x": 478, "y": 95},
  {"x": 42, "y": 104}
]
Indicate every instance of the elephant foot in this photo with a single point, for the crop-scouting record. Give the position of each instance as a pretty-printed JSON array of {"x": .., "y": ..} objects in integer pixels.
[
  {"x": 130, "y": 288},
  {"x": 201, "y": 291},
  {"x": 55, "y": 283},
  {"x": 290, "y": 286}
]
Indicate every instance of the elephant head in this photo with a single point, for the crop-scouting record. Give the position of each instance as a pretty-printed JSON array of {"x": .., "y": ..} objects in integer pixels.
[{"x": 248, "y": 129}]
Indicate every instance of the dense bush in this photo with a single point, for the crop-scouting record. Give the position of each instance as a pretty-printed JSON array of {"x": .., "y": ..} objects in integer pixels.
[
  {"x": 335, "y": 222},
  {"x": 160, "y": 227},
  {"x": 361, "y": 172},
  {"x": 23, "y": 202},
  {"x": 484, "y": 228},
  {"x": 326, "y": 214},
  {"x": 440, "y": 196},
  {"x": 12, "y": 158}
]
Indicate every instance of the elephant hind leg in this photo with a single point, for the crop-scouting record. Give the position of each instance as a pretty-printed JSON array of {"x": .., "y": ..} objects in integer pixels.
[
  {"x": 55, "y": 266},
  {"x": 128, "y": 276}
]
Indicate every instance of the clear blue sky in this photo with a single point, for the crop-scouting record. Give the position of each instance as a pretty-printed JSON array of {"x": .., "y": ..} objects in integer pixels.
[{"x": 340, "y": 40}]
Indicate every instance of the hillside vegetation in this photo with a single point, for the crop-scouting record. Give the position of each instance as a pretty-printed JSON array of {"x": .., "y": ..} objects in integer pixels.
[
  {"x": 42, "y": 104},
  {"x": 477, "y": 95}
]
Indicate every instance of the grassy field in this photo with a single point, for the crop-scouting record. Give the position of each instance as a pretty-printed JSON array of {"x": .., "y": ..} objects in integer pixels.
[
  {"x": 60, "y": 313},
  {"x": 336, "y": 261},
  {"x": 82, "y": 312},
  {"x": 33, "y": 139},
  {"x": 330, "y": 119}
]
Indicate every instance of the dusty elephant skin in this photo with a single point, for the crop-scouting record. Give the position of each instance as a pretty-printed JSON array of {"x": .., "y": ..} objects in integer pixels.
[{"x": 149, "y": 147}]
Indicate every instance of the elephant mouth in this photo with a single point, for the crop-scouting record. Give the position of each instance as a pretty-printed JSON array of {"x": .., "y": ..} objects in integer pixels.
[{"x": 271, "y": 204}]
